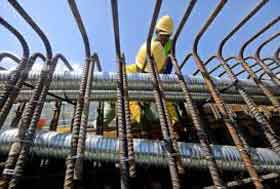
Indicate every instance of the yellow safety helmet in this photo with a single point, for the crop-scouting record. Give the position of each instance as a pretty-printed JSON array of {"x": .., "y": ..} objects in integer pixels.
[
  {"x": 165, "y": 25},
  {"x": 157, "y": 52}
]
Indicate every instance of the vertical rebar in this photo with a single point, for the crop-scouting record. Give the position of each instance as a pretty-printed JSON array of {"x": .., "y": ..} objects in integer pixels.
[
  {"x": 170, "y": 145},
  {"x": 193, "y": 109},
  {"x": 16, "y": 89},
  {"x": 266, "y": 69},
  {"x": 260, "y": 118},
  {"x": 78, "y": 171},
  {"x": 70, "y": 162},
  {"x": 122, "y": 107},
  {"x": 229, "y": 121},
  {"x": 29, "y": 110},
  {"x": 15, "y": 75}
]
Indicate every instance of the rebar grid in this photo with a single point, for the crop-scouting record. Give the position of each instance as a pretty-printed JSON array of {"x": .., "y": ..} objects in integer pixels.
[{"x": 191, "y": 91}]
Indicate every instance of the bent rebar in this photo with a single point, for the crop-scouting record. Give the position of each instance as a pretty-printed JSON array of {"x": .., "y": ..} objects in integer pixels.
[
  {"x": 192, "y": 107},
  {"x": 229, "y": 120}
]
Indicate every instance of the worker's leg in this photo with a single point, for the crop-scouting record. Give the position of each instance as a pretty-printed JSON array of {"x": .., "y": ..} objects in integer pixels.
[
  {"x": 172, "y": 112},
  {"x": 151, "y": 113}
]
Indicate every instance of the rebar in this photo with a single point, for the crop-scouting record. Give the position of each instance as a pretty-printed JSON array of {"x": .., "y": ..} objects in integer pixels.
[
  {"x": 265, "y": 67},
  {"x": 50, "y": 144},
  {"x": 192, "y": 108},
  {"x": 30, "y": 108},
  {"x": 79, "y": 110},
  {"x": 229, "y": 121},
  {"x": 260, "y": 118},
  {"x": 18, "y": 86},
  {"x": 15, "y": 75}
]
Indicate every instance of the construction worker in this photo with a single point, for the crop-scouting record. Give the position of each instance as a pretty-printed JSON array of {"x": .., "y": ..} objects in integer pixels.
[{"x": 160, "y": 48}]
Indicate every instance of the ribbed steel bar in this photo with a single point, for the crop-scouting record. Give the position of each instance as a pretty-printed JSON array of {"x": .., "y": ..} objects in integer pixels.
[
  {"x": 237, "y": 64},
  {"x": 127, "y": 163},
  {"x": 70, "y": 162},
  {"x": 192, "y": 108},
  {"x": 79, "y": 167},
  {"x": 277, "y": 55},
  {"x": 252, "y": 66},
  {"x": 29, "y": 136},
  {"x": 210, "y": 59},
  {"x": 174, "y": 160},
  {"x": 264, "y": 124},
  {"x": 131, "y": 155},
  {"x": 269, "y": 65},
  {"x": 32, "y": 60},
  {"x": 272, "y": 69},
  {"x": 265, "y": 67},
  {"x": 253, "y": 76},
  {"x": 229, "y": 120},
  {"x": 30, "y": 107},
  {"x": 18, "y": 86},
  {"x": 50, "y": 144},
  {"x": 15, "y": 75}
]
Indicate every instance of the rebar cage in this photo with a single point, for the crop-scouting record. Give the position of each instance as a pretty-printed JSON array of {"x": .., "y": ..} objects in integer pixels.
[{"x": 228, "y": 113}]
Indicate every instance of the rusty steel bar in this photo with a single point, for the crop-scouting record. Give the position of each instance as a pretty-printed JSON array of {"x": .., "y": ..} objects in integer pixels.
[
  {"x": 229, "y": 120},
  {"x": 33, "y": 59},
  {"x": 264, "y": 124},
  {"x": 30, "y": 133},
  {"x": 10, "y": 86},
  {"x": 272, "y": 69},
  {"x": 253, "y": 76},
  {"x": 265, "y": 67},
  {"x": 80, "y": 105},
  {"x": 30, "y": 107},
  {"x": 15, "y": 91},
  {"x": 131, "y": 154},
  {"x": 251, "y": 66},
  {"x": 277, "y": 55},
  {"x": 192, "y": 107},
  {"x": 237, "y": 64},
  {"x": 210, "y": 59},
  {"x": 174, "y": 161},
  {"x": 79, "y": 166},
  {"x": 127, "y": 158},
  {"x": 273, "y": 62},
  {"x": 187, "y": 57}
]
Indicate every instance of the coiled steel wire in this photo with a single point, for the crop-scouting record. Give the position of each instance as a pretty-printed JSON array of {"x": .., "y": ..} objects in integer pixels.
[{"x": 50, "y": 144}]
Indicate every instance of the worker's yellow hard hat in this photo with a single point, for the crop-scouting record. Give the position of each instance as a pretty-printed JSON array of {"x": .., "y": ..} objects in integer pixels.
[
  {"x": 157, "y": 52},
  {"x": 165, "y": 25}
]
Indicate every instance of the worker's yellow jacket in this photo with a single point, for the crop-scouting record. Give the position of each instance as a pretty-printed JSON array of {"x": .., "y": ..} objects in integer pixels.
[{"x": 159, "y": 55}]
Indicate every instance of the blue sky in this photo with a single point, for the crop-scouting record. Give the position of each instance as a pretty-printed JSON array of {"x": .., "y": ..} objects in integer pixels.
[{"x": 55, "y": 18}]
